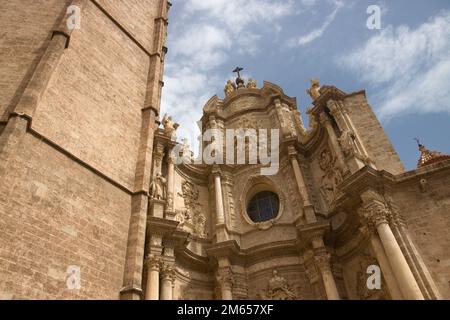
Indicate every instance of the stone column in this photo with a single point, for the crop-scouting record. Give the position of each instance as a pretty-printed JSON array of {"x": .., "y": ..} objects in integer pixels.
[
  {"x": 325, "y": 120},
  {"x": 307, "y": 206},
  {"x": 383, "y": 260},
  {"x": 380, "y": 255},
  {"x": 377, "y": 215},
  {"x": 225, "y": 282},
  {"x": 220, "y": 215},
  {"x": 167, "y": 280},
  {"x": 322, "y": 259},
  {"x": 153, "y": 266}
]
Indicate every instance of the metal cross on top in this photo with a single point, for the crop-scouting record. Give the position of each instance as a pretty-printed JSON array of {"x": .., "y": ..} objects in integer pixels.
[{"x": 238, "y": 71}]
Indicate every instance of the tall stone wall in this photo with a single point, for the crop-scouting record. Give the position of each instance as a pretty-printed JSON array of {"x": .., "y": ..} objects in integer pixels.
[
  {"x": 68, "y": 175},
  {"x": 426, "y": 209},
  {"x": 373, "y": 136}
]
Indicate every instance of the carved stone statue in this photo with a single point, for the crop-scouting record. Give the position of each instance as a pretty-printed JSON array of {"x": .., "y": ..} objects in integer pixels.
[
  {"x": 331, "y": 177},
  {"x": 158, "y": 187},
  {"x": 347, "y": 141},
  {"x": 251, "y": 84},
  {"x": 169, "y": 126},
  {"x": 230, "y": 87},
  {"x": 279, "y": 289},
  {"x": 200, "y": 225},
  {"x": 314, "y": 91}
]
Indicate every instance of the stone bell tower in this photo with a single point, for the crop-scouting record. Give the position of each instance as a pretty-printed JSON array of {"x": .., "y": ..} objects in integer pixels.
[{"x": 78, "y": 104}]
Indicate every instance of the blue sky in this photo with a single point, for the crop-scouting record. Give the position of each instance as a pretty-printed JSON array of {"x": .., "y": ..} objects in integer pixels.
[{"x": 404, "y": 67}]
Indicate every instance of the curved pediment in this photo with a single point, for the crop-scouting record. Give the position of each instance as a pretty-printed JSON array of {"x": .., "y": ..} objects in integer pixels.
[{"x": 247, "y": 99}]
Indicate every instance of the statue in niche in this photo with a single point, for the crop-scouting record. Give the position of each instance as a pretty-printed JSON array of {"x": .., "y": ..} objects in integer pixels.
[
  {"x": 230, "y": 87},
  {"x": 169, "y": 126},
  {"x": 331, "y": 177},
  {"x": 347, "y": 141},
  {"x": 278, "y": 289},
  {"x": 200, "y": 225},
  {"x": 314, "y": 91},
  {"x": 158, "y": 187},
  {"x": 251, "y": 84}
]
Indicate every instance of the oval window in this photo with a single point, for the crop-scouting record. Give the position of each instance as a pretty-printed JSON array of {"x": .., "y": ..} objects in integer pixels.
[{"x": 264, "y": 206}]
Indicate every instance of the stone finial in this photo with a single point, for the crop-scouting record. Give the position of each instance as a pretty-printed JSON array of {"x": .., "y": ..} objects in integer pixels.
[
  {"x": 251, "y": 84},
  {"x": 170, "y": 127},
  {"x": 314, "y": 91},
  {"x": 230, "y": 87}
]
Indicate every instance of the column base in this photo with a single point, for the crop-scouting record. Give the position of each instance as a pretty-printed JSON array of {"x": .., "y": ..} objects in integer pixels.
[{"x": 131, "y": 293}]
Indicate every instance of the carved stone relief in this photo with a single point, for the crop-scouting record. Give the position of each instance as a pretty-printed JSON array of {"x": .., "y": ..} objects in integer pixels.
[
  {"x": 278, "y": 289},
  {"x": 193, "y": 215},
  {"x": 331, "y": 176}
]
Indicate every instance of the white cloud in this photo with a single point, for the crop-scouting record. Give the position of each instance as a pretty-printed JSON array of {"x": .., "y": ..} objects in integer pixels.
[
  {"x": 204, "y": 36},
  {"x": 204, "y": 45},
  {"x": 317, "y": 33},
  {"x": 411, "y": 68},
  {"x": 236, "y": 15}
]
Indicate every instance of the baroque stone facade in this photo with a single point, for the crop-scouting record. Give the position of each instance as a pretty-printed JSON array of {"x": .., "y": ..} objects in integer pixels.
[
  {"x": 88, "y": 179},
  {"x": 345, "y": 207}
]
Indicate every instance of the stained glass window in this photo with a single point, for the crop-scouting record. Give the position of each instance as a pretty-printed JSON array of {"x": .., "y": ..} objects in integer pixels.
[{"x": 264, "y": 206}]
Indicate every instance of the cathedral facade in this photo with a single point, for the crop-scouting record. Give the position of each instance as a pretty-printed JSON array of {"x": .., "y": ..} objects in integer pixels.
[
  {"x": 95, "y": 204},
  {"x": 339, "y": 209}
]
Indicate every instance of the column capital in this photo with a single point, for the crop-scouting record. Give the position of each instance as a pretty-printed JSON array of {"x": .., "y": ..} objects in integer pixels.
[
  {"x": 216, "y": 171},
  {"x": 376, "y": 214},
  {"x": 153, "y": 262},
  {"x": 396, "y": 218},
  {"x": 322, "y": 259},
  {"x": 374, "y": 209},
  {"x": 292, "y": 151},
  {"x": 167, "y": 272}
]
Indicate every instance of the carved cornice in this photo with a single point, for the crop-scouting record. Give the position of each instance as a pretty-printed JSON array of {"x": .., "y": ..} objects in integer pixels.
[
  {"x": 160, "y": 226},
  {"x": 311, "y": 232},
  {"x": 223, "y": 249}
]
